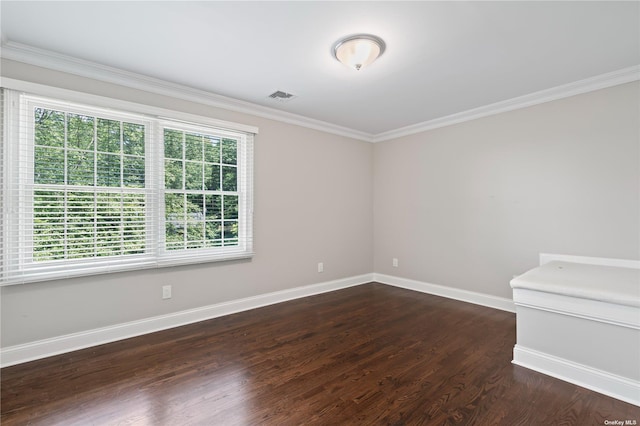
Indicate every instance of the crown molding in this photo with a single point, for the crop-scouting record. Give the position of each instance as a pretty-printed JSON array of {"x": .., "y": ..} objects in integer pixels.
[
  {"x": 58, "y": 62},
  {"x": 625, "y": 75}
]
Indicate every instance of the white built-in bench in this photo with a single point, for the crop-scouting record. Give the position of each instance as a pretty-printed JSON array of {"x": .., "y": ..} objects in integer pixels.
[{"x": 580, "y": 322}]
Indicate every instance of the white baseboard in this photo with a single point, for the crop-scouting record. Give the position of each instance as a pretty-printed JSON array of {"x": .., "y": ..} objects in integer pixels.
[
  {"x": 57, "y": 345},
  {"x": 18, "y": 354},
  {"x": 495, "y": 302},
  {"x": 621, "y": 388}
]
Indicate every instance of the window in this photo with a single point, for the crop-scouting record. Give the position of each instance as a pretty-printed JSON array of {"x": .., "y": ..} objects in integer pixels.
[
  {"x": 89, "y": 196},
  {"x": 201, "y": 190},
  {"x": 91, "y": 190}
]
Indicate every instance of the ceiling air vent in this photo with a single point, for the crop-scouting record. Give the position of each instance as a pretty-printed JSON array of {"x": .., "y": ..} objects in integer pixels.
[{"x": 282, "y": 96}]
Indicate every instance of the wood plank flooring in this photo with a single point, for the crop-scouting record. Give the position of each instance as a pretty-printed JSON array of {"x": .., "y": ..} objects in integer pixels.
[{"x": 367, "y": 355}]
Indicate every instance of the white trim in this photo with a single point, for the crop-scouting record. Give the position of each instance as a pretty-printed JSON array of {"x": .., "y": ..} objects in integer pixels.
[
  {"x": 625, "y": 75},
  {"x": 593, "y": 310},
  {"x": 600, "y": 261},
  {"x": 487, "y": 300},
  {"x": 594, "y": 379},
  {"x": 18, "y": 354},
  {"x": 41, "y": 90},
  {"x": 58, "y": 62}
]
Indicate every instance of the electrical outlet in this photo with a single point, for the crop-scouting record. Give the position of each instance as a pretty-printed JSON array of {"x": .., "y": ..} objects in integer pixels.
[
  {"x": 320, "y": 267},
  {"x": 166, "y": 292},
  {"x": 395, "y": 262}
]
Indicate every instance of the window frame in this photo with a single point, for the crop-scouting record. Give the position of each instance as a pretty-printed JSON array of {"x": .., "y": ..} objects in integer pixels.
[
  {"x": 29, "y": 187},
  {"x": 244, "y": 192},
  {"x": 20, "y": 194}
]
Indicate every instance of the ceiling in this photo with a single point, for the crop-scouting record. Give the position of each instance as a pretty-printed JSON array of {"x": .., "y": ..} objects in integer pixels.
[{"x": 442, "y": 58}]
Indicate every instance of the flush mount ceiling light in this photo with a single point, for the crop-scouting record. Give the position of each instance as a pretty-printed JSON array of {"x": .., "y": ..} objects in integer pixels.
[{"x": 358, "y": 51}]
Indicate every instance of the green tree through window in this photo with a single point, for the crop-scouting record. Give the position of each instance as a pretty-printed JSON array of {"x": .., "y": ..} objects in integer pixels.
[
  {"x": 201, "y": 182},
  {"x": 86, "y": 172}
]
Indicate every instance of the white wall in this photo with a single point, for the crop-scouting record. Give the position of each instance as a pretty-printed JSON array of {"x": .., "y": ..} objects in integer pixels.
[
  {"x": 472, "y": 204},
  {"x": 312, "y": 204}
]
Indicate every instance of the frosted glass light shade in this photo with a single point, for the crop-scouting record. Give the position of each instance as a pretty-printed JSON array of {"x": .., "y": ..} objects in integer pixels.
[{"x": 358, "y": 51}]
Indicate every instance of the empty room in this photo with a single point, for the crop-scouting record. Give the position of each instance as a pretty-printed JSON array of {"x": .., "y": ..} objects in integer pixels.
[{"x": 327, "y": 213}]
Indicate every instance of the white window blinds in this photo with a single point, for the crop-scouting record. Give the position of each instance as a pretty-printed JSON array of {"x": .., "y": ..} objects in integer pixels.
[{"x": 91, "y": 190}]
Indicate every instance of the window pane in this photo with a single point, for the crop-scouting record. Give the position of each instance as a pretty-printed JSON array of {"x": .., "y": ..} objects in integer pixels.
[
  {"x": 229, "y": 178},
  {"x": 195, "y": 207},
  {"x": 172, "y": 144},
  {"x": 108, "y": 170},
  {"x": 229, "y": 151},
  {"x": 133, "y": 139},
  {"x": 133, "y": 173},
  {"x": 79, "y": 207},
  {"x": 173, "y": 174},
  {"x": 213, "y": 207},
  {"x": 133, "y": 212},
  {"x": 212, "y": 177},
  {"x": 48, "y": 206},
  {"x": 195, "y": 218},
  {"x": 48, "y": 225},
  {"x": 79, "y": 240},
  {"x": 49, "y": 127},
  {"x": 79, "y": 167},
  {"x": 108, "y": 219},
  {"x": 80, "y": 132},
  {"x": 193, "y": 144},
  {"x": 230, "y": 233},
  {"x": 231, "y": 207},
  {"x": 48, "y": 165},
  {"x": 195, "y": 234},
  {"x": 48, "y": 240},
  {"x": 108, "y": 240},
  {"x": 193, "y": 176},
  {"x": 174, "y": 220},
  {"x": 108, "y": 135},
  {"x": 211, "y": 149},
  {"x": 174, "y": 207},
  {"x": 80, "y": 234},
  {"x": 213, "y": 234},
  {"x": 174, "y": 236}
]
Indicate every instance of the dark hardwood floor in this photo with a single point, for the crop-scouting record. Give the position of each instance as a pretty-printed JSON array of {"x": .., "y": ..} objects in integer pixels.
[{"x": 371, "y": 354}]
